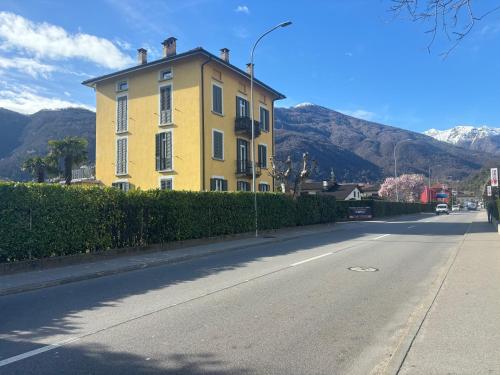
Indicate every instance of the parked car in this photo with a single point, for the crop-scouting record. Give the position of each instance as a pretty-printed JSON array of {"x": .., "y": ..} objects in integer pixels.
[
  {"x": 471, "y": 206},
  {"x": 455, "y": 207},
  {"x": 442, "y": 208}
]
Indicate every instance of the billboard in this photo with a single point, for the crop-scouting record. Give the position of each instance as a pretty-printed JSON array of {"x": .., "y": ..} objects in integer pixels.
[{"x": 494, "y": 176}]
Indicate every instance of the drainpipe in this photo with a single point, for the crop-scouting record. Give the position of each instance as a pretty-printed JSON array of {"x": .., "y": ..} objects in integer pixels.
[
  {"x": 203, "y": 123},
  {"x": 272, "y": 132}
]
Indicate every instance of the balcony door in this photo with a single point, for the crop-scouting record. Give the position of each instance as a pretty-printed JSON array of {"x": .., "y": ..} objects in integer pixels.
[
  {"x": 242, "y": 107},
  {"x": 242, "y": 153}
]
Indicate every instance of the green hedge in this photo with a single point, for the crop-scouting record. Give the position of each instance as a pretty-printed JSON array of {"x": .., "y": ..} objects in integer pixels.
[
  {"x": 382, "y": 208},
  {"x": 38, "y": 220}
]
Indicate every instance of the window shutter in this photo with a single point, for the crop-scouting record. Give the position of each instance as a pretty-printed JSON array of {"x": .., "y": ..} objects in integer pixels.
[
  {"x": 218, "y": 145},
  {"x": 157, "y": 151},
  {"x": 212, "y": 184},
  {"x": 121, "y": 156},
  {"x": 224, "y": 185},
  {"x": 217, "y": 99},
  {"x": 168, "y": 150},
  {"x": 121, "y": 115},
  {"x": 166, "y": 105}
]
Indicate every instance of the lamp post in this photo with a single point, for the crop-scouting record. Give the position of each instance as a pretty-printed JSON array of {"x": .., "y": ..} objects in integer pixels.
[
  {"x": 396, "y": 166},
  {"x": 283, "y": 24}
]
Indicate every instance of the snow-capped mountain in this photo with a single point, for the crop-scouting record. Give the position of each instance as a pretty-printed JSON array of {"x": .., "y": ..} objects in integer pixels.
[{"x": 481, "y": 138}]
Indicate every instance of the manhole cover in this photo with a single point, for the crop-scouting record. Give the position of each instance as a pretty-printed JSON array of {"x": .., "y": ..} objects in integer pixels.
[{"x": 363, "y": 269}]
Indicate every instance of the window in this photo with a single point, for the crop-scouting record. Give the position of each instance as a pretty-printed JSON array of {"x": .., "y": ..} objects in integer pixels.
[
  {"x": 262, "y": 152},
  {"x": 264, "y": 119},
  {"x": 242, "y": 107},
  {"x": 166, "y": 74},
  {"x": 218, "y": 184},
  {"x": 217, "y": 99},
  {"x": 165, "y": 105},
  {"x": 121, "y": 156},
  {"x": 123, "y": 186},
  {"x": 243, "y": 186},
  {"x": 121, "y": 114},
  {"x": 264, "y": 187},
  {"x": 166, "y": 184},
  {"x": 218, "y": 144},
  {"x": 164, "y": 151},
  {"x": 122, "y": 86}
]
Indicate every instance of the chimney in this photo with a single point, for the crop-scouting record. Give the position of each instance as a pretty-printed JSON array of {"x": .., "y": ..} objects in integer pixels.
[
  {"x": 224, "y": 54},
  {"x": 169, "y": 48},
  {"x": 142, "y": 56},
  {"x": 250, "y": 68}
]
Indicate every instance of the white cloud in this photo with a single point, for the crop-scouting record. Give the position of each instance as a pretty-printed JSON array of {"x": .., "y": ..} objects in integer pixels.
[
  {"x": 26, "y": 65},
  {"x": 28, "y": 101},
  {"x": 360, "y": 113},
  {"x": 53, "y": 42},
  {"x": 242, "y": 9}
]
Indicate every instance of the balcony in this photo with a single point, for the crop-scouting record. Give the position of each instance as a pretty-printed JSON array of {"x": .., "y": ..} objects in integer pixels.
[
  {"x": 243, "y": 125},
  {"x": 244, "y": 168},
  {"x": 84, "y": 173}
]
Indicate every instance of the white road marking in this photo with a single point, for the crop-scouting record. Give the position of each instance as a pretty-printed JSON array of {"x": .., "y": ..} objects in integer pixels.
[
  {"x": 411, "y": 226},
  {"x": 34, "y": 352},
  {"x": 310, "y": 259},
  {"x": 382, "y": 236}
]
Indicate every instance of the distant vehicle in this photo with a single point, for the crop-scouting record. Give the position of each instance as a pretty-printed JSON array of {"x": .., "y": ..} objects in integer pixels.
[
  {"x": 442, "y": 209},
  {"x": 455, "y": 207},
  {"x": 471, "y": 206}
]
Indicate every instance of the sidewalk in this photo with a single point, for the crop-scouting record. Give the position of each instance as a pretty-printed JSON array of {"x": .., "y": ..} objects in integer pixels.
[
  {"x": 25, "y": 281},
  {"x": 461, "y": 334}
]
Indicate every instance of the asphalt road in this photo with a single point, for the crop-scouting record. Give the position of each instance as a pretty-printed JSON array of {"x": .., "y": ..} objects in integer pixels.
[{"x": 292, "y": 307}]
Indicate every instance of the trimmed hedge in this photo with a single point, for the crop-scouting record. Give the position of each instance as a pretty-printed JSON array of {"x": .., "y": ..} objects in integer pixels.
[
  {"x": 40, "y": 220},
  {"x": 383, "y": 208}
]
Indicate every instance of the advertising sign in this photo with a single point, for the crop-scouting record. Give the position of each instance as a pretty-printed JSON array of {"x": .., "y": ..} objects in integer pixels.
[
  {"x": 488, "y": 190},
  {"x": 494, "y": 176}
]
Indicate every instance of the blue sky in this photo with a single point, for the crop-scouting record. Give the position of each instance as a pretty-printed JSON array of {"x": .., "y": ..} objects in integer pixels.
[{"x": 348, "y": 55}]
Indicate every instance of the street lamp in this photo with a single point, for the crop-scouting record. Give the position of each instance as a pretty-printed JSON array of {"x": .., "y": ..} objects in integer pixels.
[
  {"x": 283, "y": 24},
  {"x": 395, "y": 166}
]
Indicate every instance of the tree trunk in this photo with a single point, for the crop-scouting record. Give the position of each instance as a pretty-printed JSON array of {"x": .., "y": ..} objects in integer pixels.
[
  {"x": 40, "y": 175},
  {"x": 68, "y": 165}
]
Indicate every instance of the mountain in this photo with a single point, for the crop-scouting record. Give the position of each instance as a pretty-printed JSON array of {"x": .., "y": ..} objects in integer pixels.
[
  {"x": 24, "y": 136},
  {"x": 356, "y": 150},
  {"x": 362, "y": 147},
  {"x": 481, "y": 138}
]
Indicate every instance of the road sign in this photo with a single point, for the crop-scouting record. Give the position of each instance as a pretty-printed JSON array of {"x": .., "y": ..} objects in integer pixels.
[
  {"x": 454, "y": 192},
  {"x": 494, "y": 176},
  {"x": 488, "y": 190}
]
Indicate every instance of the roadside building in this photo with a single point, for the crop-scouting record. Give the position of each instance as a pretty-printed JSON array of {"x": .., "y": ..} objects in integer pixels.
[
  {"x": 182, "y": 122},
  {"x": 342, "y": 192}
]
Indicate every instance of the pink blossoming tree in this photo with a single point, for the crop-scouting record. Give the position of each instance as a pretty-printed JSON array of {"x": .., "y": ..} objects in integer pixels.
[{"x": 409, "y": 187}]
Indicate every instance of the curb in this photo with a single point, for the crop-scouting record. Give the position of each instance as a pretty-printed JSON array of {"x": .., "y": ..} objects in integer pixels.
[{"x": 144, "y": 265}]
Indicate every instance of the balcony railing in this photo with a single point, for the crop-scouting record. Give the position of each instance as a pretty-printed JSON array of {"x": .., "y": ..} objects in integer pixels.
[
  {"x": 83, "y": 173},
  {"x": 244, "y": 168},
  {"x": 243, "y": 125}
]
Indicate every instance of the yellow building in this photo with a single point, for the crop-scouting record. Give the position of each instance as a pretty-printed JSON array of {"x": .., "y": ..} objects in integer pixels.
[{"x": 182, "y": 122}]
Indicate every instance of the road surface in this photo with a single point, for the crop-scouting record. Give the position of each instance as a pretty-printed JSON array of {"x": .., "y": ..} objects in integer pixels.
[{"x": 340, "y": 302}]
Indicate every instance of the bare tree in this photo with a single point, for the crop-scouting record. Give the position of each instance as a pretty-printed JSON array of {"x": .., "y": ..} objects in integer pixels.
[
  {"x": 454, "y": 18},
  {"x": 289, "y": 181}
]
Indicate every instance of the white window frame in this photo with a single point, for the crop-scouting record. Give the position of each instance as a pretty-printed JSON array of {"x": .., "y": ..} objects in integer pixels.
[
  {"x": 258, "y": 155},
  {"x": 171, "y": 131},
  {"x": 213, "y": 144},
  {"x": 119, "y": 83},
  {"x": 116, "y": 114},
  {"x": 160, "y": 74},
  {"x": 219, "y": 178},
  {"x": 264, "y": 183},
  {"x": 116, "y": 158},
  {"x": 243, "y": 96},
  {"x": 245, "y": 182},
  {"x": 214, "y": 83},
  {"x": 171, "y": 104},
  {"x": 121, "y": 181},
  {"x": 163, "y": 178},
  {"x": 260, "y": 119}
]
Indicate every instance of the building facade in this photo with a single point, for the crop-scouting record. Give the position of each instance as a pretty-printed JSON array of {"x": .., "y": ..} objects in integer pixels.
[{"x": 182, "y": 122}]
